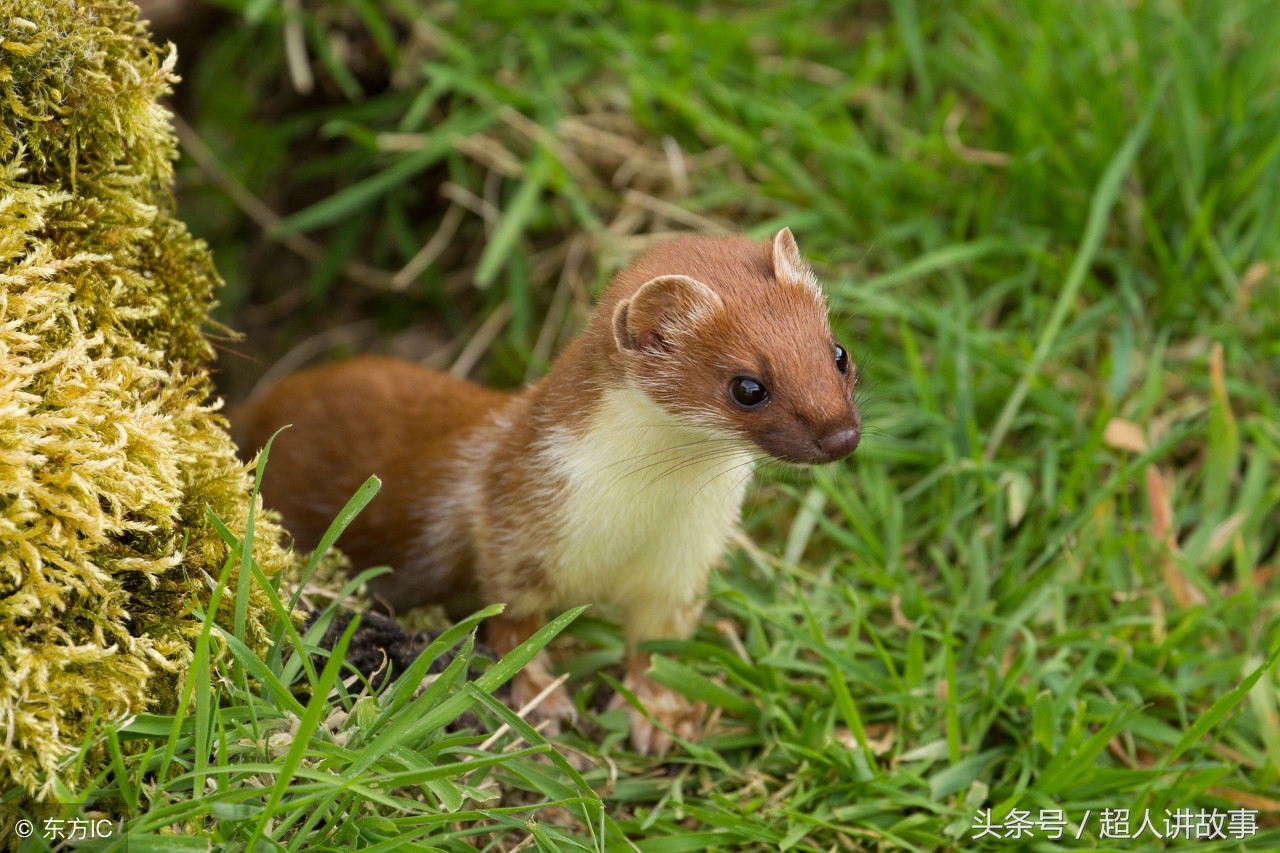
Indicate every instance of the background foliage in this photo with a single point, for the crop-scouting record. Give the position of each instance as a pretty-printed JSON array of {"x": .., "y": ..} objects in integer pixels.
[{"x": 1047, "y": 579}]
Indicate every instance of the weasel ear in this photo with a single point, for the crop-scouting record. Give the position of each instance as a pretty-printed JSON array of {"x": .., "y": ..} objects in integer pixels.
[
  {"x": 662, "y": 306},
  {"x": 788, "y": 266}
]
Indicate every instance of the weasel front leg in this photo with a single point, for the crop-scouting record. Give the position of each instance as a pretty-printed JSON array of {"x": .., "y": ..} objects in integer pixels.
[
  {"x": 504, "y": 634},
  {"x": 652, "y": 620}
]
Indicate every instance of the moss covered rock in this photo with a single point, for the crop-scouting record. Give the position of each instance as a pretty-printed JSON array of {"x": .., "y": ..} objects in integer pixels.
[{"x": 110, "y": 450}]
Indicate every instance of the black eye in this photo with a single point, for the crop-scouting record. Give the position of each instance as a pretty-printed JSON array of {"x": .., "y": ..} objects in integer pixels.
[
  {"x": 842, "y": 360},
  {"x": 747, "y": 392}
]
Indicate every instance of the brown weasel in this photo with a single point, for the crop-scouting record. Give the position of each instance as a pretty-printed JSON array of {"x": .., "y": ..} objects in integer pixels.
[{"x": 616, "y": 479}]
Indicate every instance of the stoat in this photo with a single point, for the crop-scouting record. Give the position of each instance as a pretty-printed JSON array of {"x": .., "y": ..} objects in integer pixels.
[{"x": 616, "y": 479}]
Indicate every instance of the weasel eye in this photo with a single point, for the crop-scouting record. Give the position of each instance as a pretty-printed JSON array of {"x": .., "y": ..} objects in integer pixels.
[
  {"x": 842, "y": 360},
  {"x": 747, "y": 392}
]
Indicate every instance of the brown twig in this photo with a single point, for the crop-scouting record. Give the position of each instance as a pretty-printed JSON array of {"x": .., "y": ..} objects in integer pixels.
[
  {"x": 951, "y": 132},
  {"x": 262, "y": 215}
]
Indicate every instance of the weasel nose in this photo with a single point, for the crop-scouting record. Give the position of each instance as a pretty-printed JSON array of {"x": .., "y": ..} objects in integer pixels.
[{"x": 841, "y": 443}]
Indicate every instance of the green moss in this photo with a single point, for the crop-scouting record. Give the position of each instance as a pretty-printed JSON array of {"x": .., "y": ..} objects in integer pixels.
[{"x": 110, "y": 450}]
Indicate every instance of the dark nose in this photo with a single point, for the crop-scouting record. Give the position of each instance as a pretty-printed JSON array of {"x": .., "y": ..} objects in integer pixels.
[{"x": 841, "y": 443}]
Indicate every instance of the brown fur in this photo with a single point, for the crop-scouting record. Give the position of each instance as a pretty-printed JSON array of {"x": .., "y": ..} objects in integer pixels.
[
  {"x": 349, "y": 420},
  {"x": 471, "y": 477}
]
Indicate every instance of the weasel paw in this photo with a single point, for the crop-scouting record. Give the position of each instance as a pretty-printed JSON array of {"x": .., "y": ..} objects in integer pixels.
[
  {"x": 669, "y": 709},
  {"x": 556, "y": 707}
]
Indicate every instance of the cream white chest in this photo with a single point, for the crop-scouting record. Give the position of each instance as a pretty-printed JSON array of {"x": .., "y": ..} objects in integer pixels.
[{"x": 646, "y": 504}]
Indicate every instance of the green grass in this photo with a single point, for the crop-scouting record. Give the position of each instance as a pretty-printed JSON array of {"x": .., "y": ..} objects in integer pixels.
[{"x": 1034, "y": 219}]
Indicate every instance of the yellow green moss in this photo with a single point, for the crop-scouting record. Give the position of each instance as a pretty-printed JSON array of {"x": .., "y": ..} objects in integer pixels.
[{"x": 110, "y": 450}]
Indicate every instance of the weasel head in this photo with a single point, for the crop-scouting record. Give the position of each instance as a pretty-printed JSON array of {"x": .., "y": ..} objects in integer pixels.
[{"x": 731, "y": 335}]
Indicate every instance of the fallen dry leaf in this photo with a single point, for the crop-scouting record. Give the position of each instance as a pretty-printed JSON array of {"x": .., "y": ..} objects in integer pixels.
[
  {"x": 1125, "y": 435},
  {"x": 1223, "y": 534},
  {"x": 1253, "y": 276},
  {"x": 1116, "y": 748},
  {"x": 880, "y": 737},
  {"x": 895, "y": 608},
  {"x": 1160, "y": 502},
  {"x": 1159, "y": 629},
  {"x": 1247, "y": 800}
]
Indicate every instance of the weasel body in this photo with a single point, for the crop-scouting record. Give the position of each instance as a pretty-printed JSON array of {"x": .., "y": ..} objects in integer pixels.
[{"x": 616, "y": 479}]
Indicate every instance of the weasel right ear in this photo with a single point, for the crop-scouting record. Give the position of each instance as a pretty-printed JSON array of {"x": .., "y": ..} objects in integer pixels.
[
  {"x": 788, "y": 266},
  {"x": 666, "y": 305}
]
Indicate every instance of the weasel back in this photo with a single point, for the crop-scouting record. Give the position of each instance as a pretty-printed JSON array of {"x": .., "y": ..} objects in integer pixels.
[{"x": 349, "y": 420}]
